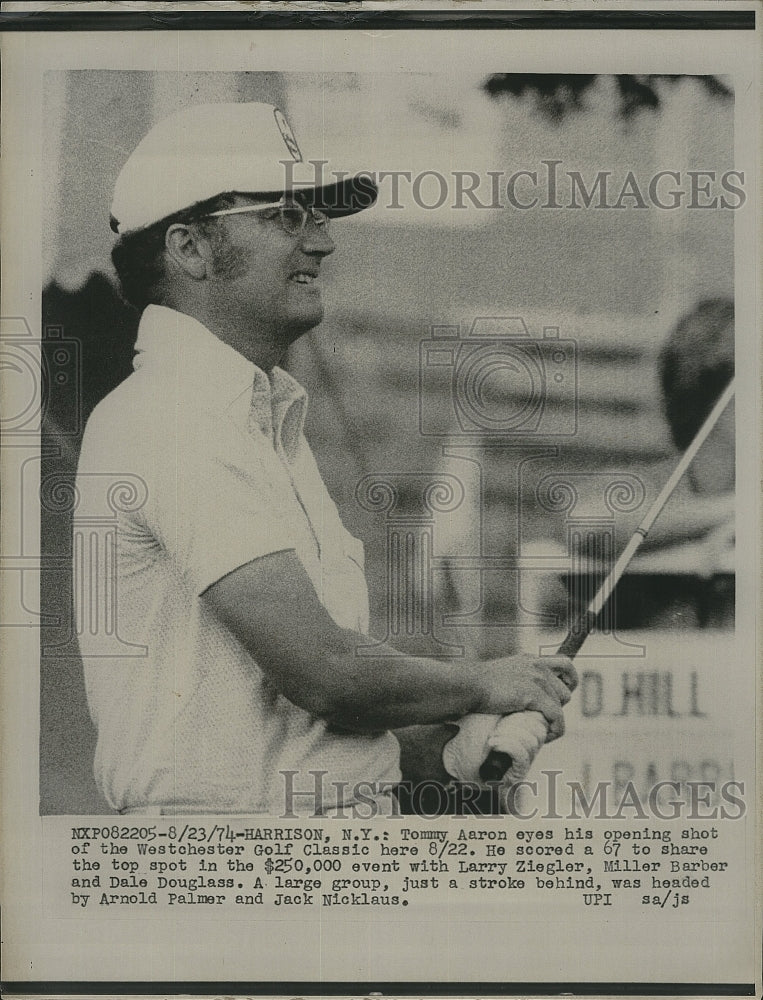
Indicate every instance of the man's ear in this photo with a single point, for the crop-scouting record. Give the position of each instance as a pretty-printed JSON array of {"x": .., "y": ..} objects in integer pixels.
[{"x": 188, "y": 250}]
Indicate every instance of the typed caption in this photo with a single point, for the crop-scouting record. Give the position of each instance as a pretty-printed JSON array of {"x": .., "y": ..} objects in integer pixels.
[{"x": 255, "y": 865}]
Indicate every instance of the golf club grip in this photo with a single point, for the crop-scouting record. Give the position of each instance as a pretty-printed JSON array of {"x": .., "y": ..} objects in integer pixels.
[{"x": 497, "y": 762}]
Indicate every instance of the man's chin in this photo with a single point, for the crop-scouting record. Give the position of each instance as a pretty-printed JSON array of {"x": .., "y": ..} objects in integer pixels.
[{"x": 299, "y": 325}]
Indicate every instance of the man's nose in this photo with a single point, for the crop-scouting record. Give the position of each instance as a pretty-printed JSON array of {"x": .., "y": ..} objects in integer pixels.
[{"x": 316, "y": 239}]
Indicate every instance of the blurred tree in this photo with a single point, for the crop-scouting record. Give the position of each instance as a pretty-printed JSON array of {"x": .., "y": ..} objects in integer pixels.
[{"x": 557, "y": 95}]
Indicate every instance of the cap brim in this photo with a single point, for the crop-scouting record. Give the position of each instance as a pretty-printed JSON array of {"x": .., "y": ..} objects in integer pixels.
[{"x": 346, "y": 197}]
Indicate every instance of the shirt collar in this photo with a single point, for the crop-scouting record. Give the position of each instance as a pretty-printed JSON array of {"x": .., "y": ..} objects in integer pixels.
[{"x": 203, "y": 368}]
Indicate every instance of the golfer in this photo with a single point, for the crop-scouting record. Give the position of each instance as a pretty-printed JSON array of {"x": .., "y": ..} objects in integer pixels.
[{"x": 237, "y": 575}]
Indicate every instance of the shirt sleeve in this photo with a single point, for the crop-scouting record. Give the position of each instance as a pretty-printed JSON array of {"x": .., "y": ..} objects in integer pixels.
[{"x": 216, "y": 505}]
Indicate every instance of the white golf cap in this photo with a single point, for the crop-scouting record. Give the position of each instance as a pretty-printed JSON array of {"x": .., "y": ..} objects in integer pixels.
[{"x": 211, "y": 149}]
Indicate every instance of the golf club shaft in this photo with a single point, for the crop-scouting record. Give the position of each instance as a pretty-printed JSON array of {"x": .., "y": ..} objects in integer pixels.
[{"x": 497, "y": 763}]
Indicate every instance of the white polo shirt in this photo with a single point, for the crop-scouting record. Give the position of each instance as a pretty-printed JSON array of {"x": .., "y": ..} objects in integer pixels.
[{"x": 195, "y": 725}]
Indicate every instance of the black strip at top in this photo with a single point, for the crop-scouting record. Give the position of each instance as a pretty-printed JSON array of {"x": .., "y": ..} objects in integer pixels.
[
  {"x": 406, "y": 20},
  {"x": 388, "y": 989}
]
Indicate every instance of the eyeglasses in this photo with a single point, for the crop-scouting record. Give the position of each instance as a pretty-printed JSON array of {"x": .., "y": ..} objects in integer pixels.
[{"x": 293, "y": 216}]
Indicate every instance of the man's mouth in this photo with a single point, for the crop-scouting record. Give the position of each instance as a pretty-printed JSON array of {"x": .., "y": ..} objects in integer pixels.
[{"x": 303, "y": 277}]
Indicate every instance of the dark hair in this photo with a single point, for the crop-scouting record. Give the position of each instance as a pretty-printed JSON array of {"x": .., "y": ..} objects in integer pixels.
[
  {"x": 696, "y": 365},
  {"x": 138, "y": 257}
]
